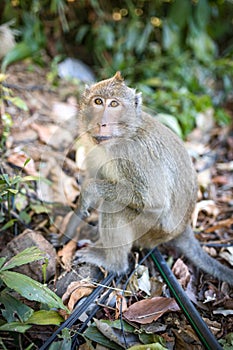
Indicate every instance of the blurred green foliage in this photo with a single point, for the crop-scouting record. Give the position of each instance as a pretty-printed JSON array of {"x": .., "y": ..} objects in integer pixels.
[{"x": 179, "y": 53}]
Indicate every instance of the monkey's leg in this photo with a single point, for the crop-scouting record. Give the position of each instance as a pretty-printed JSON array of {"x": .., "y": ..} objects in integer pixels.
[
  {"x": 76, "y": 220},
  {"x": 190, "y": 247},
  {"x": 116, "y": 239}
]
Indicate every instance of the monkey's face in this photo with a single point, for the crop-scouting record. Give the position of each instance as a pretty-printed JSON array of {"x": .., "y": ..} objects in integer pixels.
[
  {"x": 106, "y": 118},
  {"x": 110, "y": 110}
]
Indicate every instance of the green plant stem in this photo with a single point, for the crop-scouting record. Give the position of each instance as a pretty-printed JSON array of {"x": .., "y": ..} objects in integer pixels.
[{"x": 9, "y": 205}]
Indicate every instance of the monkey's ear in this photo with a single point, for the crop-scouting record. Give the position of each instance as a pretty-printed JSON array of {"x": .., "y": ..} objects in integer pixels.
[
  {"x": 87, "y": 88},
  {"x": 118, "y": 77},
  {"x": 138, "y": 102}
]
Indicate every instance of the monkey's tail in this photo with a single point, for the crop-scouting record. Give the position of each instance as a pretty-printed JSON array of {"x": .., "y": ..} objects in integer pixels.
[{"x": 187, "y": 244}]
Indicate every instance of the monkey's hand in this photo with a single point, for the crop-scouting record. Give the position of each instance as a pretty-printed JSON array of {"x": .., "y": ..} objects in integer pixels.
[
  {"x": 94, "y": 192},
  {"x": 113, "y": 195}
]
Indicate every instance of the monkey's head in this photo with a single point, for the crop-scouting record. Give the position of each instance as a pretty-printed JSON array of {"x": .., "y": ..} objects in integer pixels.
[{"x": 110, "y": 109}]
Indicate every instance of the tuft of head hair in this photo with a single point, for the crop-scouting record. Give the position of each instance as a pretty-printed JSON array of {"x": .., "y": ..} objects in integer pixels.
[
  {"x": 118, "y": 77},
  {"x": 114, "y": 87},
  {"x": 110, "y": 88}
]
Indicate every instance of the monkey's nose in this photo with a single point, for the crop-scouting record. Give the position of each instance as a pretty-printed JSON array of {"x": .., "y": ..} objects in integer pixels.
[{"x": 102, "y": 125}]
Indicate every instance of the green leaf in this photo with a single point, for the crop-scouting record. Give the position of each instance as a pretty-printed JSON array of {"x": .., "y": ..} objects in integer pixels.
[
  {"x": 9, "y": 224},
  {"x": 35, "y": 178},
  {"x": 2, "y": 261},
  {"x": 118, "y": 325},
  {"x": 15, "y": 180},
  {"x": 25, "y": 217},
  {"x": 30, "y": 346},
  {"x": 6, "y": 178},
  {"x": 201, "y": 43},
  {"x": 15, "y": 327},
  {"x": 66, "y": 342},
  {"x": 31, "y": 290},
  {"x": 26, "y": 256},
  {"x": 14, "y": 308},
  {"x": 45, "y": 317},
  {"x": 171, "y": 122},
  {"x": 143, "y": 38},
  {"x": 222, "y": 117},
  {"x": 20, "y": 51},
  {"x": 30, "y": 178},
  {"x": 26, "y": 161},
  {"x": 180, "y": 12},
  {"x": 151, "y": 338},
  {"x": 13, "y": 191},
  {"x": 171, "y": 37},
  {"x": 18, "y": 102},
  {"x": 202, "y": 14},
  {"x": 154, "y": 346},
  {"x": 2, "y": 77},
  {"x": 39, "y": 208},
  {"x": 227, "y": 341},
  {"x": 82, "y": 31},
  {"x": 94, "y": 334}
]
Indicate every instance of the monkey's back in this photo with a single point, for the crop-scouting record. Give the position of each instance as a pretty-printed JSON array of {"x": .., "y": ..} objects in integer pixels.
[{"x": 172, "y": 179}]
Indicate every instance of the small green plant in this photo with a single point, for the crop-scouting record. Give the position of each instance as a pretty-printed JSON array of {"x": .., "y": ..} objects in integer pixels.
[
  {"x": 7, "y": 97},
  {"x": 13, "y": 198},
  {"x": 14, "y": 189},
  {"x": 16, "y": 316}
]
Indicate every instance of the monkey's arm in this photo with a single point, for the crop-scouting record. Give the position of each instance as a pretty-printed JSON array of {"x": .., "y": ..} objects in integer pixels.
[
  {"x": 122, "y": 193},
  {"x": 113, "y": 196}
]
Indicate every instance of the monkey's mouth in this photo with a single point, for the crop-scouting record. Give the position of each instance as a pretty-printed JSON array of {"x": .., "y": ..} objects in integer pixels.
[{"x": 101, "y": 138}]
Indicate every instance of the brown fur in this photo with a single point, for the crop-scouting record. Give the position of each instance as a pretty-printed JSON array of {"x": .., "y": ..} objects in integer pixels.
[{"x": 141, "y": 180}]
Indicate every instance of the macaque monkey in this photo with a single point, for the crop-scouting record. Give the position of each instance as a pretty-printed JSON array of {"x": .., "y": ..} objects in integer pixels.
[{"x": 140, "y": 178}]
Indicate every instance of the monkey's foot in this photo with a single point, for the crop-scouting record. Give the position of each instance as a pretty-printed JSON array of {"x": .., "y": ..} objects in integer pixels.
[
  {"x": 90, "y": 255},
  {"x": 97, "y": 256}
]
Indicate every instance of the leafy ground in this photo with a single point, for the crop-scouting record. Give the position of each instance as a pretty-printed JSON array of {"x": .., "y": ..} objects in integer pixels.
[{"x": 46, "y": 134}]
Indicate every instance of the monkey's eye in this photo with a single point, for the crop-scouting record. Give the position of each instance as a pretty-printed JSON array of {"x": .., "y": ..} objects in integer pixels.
[
  {"x": 114, "y": 103},
  {"x": 98, "y": 101}
]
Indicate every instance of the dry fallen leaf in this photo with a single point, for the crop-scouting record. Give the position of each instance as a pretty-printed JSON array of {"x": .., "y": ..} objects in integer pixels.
[
  {"x": 140, "y": 280},
  {"x": 66, "y": 254},
  {"x": 204, "y": 178},
  {"x": 109, "y": 332},
  {"x": 63, "y": 112},
  {"x": 220, "y": 224},
  {"x": 187, "y": 339},
  {"x": 19, "y": 158},
  {"x": 225, "y": 166},
  {"x": 64, "y": 188},
  {"x": 54, "y": 135},
  {"x": 223, "y": 312},
  {"x": 181, "y": 272},
  {"x": 227, "y": 255},
  {"x": 210, "y": 295},
  {"x": 144, "y": 279},
  {"x": 121, "y": 305},
  {"x": 209, "y": 206},
  {"x": 149, "y": 310},
  {"x": 214, "y": 326},
  {"x": 76, "y": 291},
  {"x": 45, "y": 132},
  {"x": 221, "y": 179}
]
